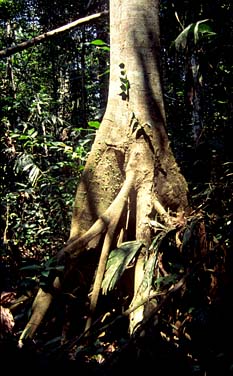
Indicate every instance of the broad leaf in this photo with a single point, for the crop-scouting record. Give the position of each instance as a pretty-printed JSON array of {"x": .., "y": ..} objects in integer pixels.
[
  {"x": 118, "y": 261},
  {"x": 197, "y": 31},
  {"x": 201, "y": 29},
  {"x": 182, "y": 39}
]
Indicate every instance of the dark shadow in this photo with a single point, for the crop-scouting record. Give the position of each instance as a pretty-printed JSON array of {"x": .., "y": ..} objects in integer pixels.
[{"x": 151, "y": 102}]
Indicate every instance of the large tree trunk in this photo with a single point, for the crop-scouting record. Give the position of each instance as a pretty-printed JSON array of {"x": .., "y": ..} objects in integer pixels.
[
  {"x": 134, "y": 118},
  {"x": 131, "y": 173},
  {"x": 132, "y": 135}
]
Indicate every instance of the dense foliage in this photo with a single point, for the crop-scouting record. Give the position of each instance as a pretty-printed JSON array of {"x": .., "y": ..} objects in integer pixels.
[
  {"x": 197, "y": 71},
  {"x": 53, "y": 97}
]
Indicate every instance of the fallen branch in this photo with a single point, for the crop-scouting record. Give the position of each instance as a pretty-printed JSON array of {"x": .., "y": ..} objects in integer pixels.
[{"x": 50, "y": 34}]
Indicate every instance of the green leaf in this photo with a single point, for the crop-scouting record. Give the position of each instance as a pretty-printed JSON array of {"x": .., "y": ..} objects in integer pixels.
[
  {"x": 45, "y": 273},
  {"x": 197, "y": 30},
  {"x": 117, "y": 262},
  {"x": 59, "y": 268},
  {"x": 200, "y": 29},
  {"x": 124, "y": 80},
  {"x": 150, "y": 265},
  {"x": 27, "y": 167},
  {"x": 166, "y": 280},
  {"x": 105, "y": 48},
  {"x": 182, "y": 39},
  {"x": 105, "y": 72},
  {"x": 31, "y": 267},
  {"x": 123, "y": 87},
  {"x": 34, "y": 175},
  {"x": 31, "y": 131},
  {"x": 43, "y": 230},
  {"x": 98, "y": 42},
  {"x": 94, "y": 124}
]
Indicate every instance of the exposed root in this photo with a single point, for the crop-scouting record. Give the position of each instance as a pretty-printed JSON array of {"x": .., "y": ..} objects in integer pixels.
[
  {"x": 39, "y": 309},
  {"x": 117, "y": 208},
  {"x": 110, "y": 220},
  {"x": 107, "y": 222}
]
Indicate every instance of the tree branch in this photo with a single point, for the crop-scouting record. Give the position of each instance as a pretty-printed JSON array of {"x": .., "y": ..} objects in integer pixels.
[{"x": 50, "y": 34}]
